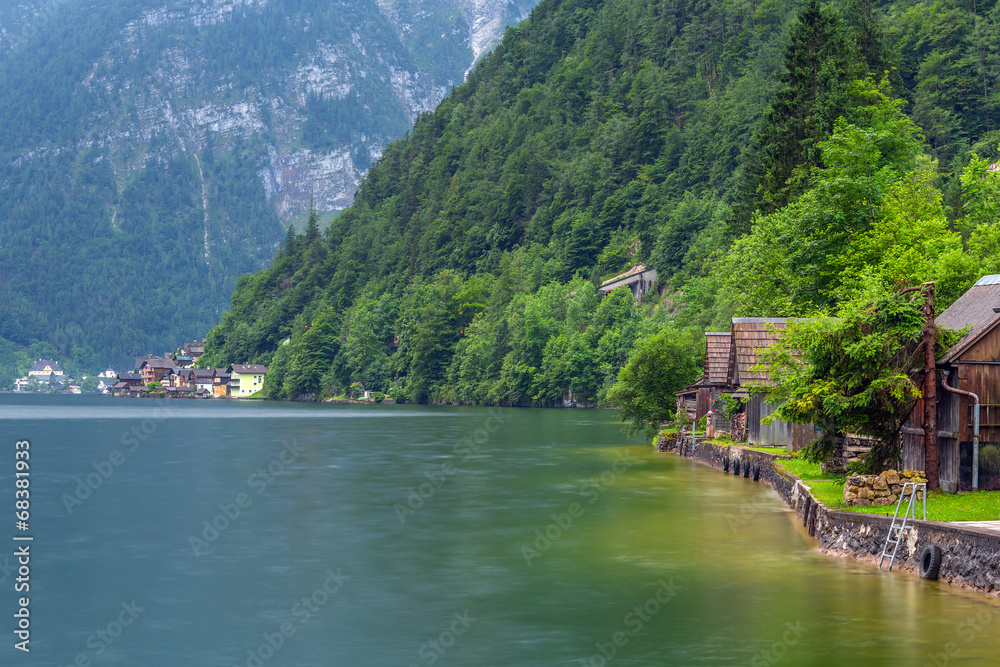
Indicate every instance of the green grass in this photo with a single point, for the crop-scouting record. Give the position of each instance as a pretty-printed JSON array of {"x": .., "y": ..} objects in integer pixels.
[
  {"x": 807, "y": 470},
  {"x": 829, "y": 490},
  {"x": 979, "y": 506},
  {"x": 780, "y": 451}
]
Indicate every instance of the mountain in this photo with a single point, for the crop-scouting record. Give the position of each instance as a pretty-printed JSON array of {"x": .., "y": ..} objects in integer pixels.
[
  {"x": 766, "y": 159},
  {"x": 154, "y": 151}
]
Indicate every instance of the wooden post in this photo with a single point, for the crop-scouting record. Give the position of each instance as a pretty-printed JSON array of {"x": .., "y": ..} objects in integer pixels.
[{"x": 930, "y": 392}]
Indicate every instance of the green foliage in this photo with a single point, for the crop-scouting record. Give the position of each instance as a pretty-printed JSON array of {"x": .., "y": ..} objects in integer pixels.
[
  {"x": 728, "y": 406},
  {"x": 658, "y": 366},
  {"x": 853, "y": 373},
  {"x": 820, "y": 63},
  {"x": 766, "y": 161},
  {"x": 14, "y": 363},
  {"x": 873, "y": 217}
]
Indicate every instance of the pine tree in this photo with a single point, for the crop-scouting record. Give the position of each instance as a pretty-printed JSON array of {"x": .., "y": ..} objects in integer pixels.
[
  {"x": 820, "y": 62},
  {"x": 288, "y": 247},
  {"x": 312, "y": 226},
  {"x": 869, "y": 36}
]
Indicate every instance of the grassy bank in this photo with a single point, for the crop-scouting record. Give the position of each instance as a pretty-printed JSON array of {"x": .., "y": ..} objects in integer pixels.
[{"x": 829, "y": 490}]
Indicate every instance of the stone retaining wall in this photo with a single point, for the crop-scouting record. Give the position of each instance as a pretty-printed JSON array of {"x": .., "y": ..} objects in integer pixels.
[{"x": 970, "y": 557}]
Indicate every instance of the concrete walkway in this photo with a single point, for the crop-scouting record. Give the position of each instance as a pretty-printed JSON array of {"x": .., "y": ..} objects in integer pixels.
[{"x": 990, "y": 526}]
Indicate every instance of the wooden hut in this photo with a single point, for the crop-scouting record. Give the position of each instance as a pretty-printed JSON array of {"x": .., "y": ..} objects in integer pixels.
[
  {"x": 750, "y": 336},
  {"x": 971, "y": 365},
  {"x": 730, "y": 368},
  {"x": 698, "y": 397}
]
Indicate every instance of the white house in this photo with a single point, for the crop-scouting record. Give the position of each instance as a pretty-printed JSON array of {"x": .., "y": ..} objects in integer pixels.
[{"x": 44, "y": 369}]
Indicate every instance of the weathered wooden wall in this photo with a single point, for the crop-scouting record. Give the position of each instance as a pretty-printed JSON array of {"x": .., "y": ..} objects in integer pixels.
[{"x": 778, "y": 433}]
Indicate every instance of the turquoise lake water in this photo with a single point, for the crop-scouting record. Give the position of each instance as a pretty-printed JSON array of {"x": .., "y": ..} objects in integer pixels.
[{"x": 224, "y": 533}]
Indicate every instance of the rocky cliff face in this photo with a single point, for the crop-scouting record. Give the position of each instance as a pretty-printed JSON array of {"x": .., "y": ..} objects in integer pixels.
[
  {"x": 152, "y": 151},
  {"x": 388, "y": 58}
]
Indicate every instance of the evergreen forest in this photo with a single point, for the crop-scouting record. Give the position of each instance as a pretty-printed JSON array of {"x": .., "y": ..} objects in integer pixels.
[{"x": 779, "y": 158}]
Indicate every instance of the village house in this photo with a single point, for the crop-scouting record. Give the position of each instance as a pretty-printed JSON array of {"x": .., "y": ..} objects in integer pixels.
[
  {"x": 220, "y": 384},
  {"x": 129, "y": 384},
  {"x": 246, "y": 379},
  {"x": 971, "y": 366},
  {"x": 193, "y": 349},
  {"x": 153, "y": 369},
  {"x": 183, "y": 360},
  {"x": 731, "y": 367},
  {"x": 45, "y": 370},
  {"x": 179, "y": 378},
  {"x": 204, "y": 379}
]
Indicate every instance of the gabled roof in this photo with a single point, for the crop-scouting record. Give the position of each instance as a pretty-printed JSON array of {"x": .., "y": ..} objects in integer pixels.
[
  {"x": 42, "y": 363},
  {"x": 204, "y": 372},
  {"x": 717, "y": 355},
  {"x": 247, "y": 368},
  {"x": 157, "y": 362},
  {"x": 750, "y": 336},
  {"x": 974, "y": 309}
]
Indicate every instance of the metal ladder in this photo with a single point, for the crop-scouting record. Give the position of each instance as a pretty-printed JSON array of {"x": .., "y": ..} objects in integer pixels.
[{"x": 898, "y": 526}]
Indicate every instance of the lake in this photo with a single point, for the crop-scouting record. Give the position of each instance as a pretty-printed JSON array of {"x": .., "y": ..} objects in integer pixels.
[{"x": 223, "y": 533}]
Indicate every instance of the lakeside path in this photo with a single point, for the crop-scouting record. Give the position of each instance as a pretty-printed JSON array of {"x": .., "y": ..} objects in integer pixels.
[{"x": 970, "y": 550}]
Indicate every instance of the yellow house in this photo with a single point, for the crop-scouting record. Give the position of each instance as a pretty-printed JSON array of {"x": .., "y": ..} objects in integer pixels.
[{"x": 246, "y": 379}]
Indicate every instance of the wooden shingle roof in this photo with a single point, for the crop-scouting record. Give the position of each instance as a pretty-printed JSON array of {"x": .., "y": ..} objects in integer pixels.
[
  {"x": 717, "y": 357},
  {"x": 750, "y": 336},
  {"x": 974, "y": 309}
]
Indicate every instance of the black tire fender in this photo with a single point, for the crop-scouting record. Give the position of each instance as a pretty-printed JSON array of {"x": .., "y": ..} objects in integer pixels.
[
  {"x": 756, "y": 472},
  {"x": 725, "y": 464},
  {"x": 930, "y": 562},
  {"x": 736, "y": 466},
  {"x": 746, "y": 468}
]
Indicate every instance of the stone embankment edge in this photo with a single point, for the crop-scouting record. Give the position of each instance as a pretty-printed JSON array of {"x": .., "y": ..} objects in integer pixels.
[{"x": 970, "y": 557}]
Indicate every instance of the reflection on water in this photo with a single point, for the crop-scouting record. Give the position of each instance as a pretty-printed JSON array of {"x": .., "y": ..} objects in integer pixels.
[{"x": 275, "y": 534}]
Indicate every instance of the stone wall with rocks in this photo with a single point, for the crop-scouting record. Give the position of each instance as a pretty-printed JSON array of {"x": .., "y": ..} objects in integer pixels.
[{"x": 882, "y": 489}]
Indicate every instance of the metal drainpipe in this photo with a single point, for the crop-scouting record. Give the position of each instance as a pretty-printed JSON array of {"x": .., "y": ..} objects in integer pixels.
[{"x": 975, "y": 427}]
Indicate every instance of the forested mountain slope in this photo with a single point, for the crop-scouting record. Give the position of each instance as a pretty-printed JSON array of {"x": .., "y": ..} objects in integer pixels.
[
  {"x": 766, "y": 159},
  {"x": 153, "y": 151}
]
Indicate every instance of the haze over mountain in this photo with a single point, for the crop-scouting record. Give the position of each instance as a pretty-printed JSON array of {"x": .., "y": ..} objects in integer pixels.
[{"x": 153, "y": 151}]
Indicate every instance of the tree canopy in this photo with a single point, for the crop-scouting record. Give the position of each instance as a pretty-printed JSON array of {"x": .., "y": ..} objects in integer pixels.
[{"x": 857, "y": 372}]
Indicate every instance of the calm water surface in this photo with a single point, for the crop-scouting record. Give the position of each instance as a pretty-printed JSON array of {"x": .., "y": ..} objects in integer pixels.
[{"x": 403, "y": 535}]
